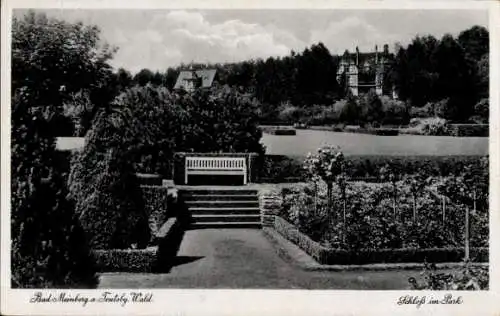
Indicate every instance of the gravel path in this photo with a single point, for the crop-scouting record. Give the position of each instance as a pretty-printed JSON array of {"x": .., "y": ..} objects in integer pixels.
[{"x": 244, "y": 258}]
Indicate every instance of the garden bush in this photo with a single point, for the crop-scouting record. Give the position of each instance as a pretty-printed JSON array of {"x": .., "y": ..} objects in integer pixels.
[
  {"x": 467, "y": 278},
  {"x": 279, "y": 168},
  {"x": 469, "y": 130},
  {"x": 430, "y": 126},
  {"x": 106, "y": 190},
  {"x": 482, "y": 111},
  {"x": 161, "y": 123},
  {"x": 49, "y": 246}
]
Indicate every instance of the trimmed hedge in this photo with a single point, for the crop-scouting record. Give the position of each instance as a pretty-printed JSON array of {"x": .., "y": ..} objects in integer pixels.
[
  {"x": 369, "y": 166},
  {"x": 156, "y": 200},
  {"x": 372, "y": 131},
  {"x": 469, "y": 130},
  {"x": 126, "y": 260},
  {"x": 279, "y": 131},
  {"x": 326, "y": 255},
  {"x": 158, "y": 258},
  {"x": 149, "y": 179},
  {"x": 280, "y": 168}
]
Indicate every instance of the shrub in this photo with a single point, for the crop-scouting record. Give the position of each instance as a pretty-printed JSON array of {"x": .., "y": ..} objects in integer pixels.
[
  {"x": 106, "y": 190},
  {"x": 422, "y": 112},
  {"x": 435, "y": 126},
  {"x": 469, "y": 130},
  {"x": 219, "y": 120},
  {"x": 326, "y": 165},
  {"x": 153, "y": 127},
  {"x": 279, "y": 168},
  {"x": 467, "y": 278},
  {"x": 49, "y": 246},
  {"x": 290, "y": 113},
  {"x": 351, "y": 112},
  {"x": 395, "y": 111},
  {"x": 482, "y": 111},
  {"x": 372, "y": 108},
  {"x": 162, "y": 123}
]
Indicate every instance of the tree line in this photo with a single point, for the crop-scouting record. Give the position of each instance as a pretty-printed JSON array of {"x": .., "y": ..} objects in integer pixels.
[{"x": 451, "y": 71}]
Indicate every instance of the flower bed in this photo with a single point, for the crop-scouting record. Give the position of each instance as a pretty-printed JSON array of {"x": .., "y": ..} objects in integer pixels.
[
  {"x": 408, "y": 218},
  {"x": 331, "y": 256},
  {"x": 374, "y": 220}
]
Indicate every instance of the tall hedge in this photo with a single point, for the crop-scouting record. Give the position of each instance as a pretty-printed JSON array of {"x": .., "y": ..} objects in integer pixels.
[
  {"x": 106, "y": 189},
  {"x": 162, "y": 123},
  {"x": 49, "y": 247}
]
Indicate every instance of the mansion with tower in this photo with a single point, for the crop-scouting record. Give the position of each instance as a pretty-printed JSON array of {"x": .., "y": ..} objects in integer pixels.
[{"x": 365, "y": 71}]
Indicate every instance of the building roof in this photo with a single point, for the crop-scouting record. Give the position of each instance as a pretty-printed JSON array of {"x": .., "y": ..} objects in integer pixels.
[{"x": 207, "y": 77}]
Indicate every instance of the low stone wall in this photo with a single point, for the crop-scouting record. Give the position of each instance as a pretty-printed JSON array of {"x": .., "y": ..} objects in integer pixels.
[
  {"x": 270, "y": 204},
  {"x": 156, "y": 206}
]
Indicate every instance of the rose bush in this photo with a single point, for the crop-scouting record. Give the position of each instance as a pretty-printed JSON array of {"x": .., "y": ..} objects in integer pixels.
[{"x": 370, "y": 221}]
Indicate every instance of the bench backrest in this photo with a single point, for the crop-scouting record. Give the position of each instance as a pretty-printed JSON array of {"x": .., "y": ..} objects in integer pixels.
[{"x": 216, "y": 163}]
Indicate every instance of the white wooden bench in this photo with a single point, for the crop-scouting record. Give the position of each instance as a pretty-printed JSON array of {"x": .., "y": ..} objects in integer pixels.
[{"x": 216, "y": 166}]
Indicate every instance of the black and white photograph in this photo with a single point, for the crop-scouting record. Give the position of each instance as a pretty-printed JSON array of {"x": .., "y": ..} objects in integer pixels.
[{"x": 339, "y": 149}]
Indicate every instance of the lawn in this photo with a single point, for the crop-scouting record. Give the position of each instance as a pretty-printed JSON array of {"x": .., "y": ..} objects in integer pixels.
[{"x": 362, "y": 144}]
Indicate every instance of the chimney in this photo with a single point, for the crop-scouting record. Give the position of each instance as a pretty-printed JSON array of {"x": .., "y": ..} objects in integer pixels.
[
  {"x": 386, "y": 49},
  {"x": 376, "y": 54},
  {"x": 357, "y": 56}
]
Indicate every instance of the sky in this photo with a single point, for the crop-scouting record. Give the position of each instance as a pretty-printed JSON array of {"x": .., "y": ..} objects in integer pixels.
[{"x": 158, "y": 39}]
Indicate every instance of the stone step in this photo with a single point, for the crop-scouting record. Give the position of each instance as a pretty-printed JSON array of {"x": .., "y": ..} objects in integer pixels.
[
  {"x": 225, "y": 225},
  {"x": 223, "y": 204},
  {"x": 211, "y": 218},
  {"x": 219, "y": 197},
  {"x": 225, "y": 210},
  {"x": 214, "y": 191}
]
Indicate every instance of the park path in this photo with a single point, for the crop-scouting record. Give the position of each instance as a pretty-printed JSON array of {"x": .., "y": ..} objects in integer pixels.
[{"x": 244, "y": 258}]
